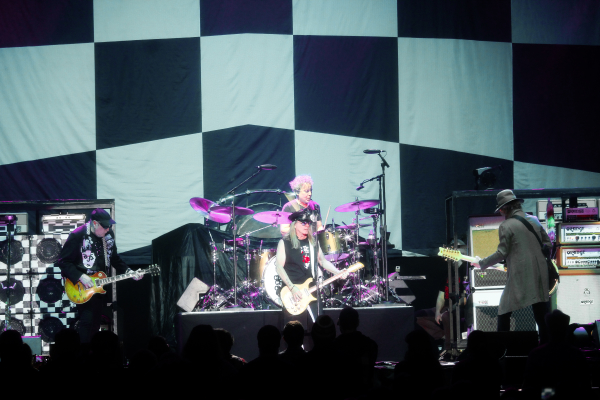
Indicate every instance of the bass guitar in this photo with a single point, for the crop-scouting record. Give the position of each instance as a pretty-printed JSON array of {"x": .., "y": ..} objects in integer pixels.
[
  {"x": 457, "y": 255},
  {"x": 78, "y": 294},
  {"x": 296, "y": 308}
]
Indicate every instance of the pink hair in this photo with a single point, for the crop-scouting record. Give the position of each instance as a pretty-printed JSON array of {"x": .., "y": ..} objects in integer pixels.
[{"x": 299, "y": 181}]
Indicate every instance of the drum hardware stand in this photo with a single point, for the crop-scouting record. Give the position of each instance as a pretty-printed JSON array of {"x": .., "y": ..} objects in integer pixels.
[
  {"x": 233, "y": 230},
  {"x": 372, "y": 240},
  {"x": 10, "y": 220},
  {"x": 214, "y": 255},
  {"x": 383, "y": 222}
]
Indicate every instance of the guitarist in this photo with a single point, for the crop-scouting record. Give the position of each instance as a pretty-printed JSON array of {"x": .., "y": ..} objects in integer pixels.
[
  {"x": 89, "y": 249},
  {"x": 527, "y": 271},
  {"x": 297, "y": 254}
]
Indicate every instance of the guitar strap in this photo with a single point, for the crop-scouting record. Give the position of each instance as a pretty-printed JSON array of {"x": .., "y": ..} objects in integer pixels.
[
  {"x": 552, "y": 272},
  {"x": 106, "y": 259},
  {"x": 312, "y": 260},
  {"x": 312, "y": 270}
]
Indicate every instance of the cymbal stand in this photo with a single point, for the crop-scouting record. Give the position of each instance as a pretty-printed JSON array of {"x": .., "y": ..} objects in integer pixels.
[
  {"x": 233, "y": 230},
  {"x": 374, "y": 247},
  {"x": 214, "y": 256},
  {"x": 357, "y": 254}
]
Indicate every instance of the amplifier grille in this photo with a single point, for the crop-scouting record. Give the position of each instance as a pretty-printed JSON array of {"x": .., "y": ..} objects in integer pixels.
[
  {"x": 520, "y": 320},
  {"x": 488, "y": 278}
]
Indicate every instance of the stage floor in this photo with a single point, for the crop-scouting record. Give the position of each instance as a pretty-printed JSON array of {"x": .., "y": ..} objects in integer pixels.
[{"x": 386, "y": 325}]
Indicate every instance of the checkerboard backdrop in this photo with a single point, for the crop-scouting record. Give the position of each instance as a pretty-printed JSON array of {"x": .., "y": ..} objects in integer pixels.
[{"x": 152, "y": 102}]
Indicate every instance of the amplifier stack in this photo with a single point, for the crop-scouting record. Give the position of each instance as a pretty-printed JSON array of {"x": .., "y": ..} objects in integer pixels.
[
  {"x": 578, "y": 257},
  {"x": 39, "y": 307}
]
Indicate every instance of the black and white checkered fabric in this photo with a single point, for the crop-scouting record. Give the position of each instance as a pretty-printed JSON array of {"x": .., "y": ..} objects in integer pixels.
[{"x": 152, "y": 103}]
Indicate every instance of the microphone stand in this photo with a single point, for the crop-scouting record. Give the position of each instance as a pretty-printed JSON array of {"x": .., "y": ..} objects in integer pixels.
[
  {"x": 233, "y": 230},
  {"x": 383, "y": 227}
]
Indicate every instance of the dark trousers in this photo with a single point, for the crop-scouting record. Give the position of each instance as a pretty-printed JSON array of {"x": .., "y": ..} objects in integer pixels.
[
  {"x": 90, "y": 316},
  {"x": 426, "y": 320},
  {"x": 539, "y": 314}
]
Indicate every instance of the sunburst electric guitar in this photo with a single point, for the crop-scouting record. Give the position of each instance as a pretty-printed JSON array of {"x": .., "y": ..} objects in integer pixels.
[
  {"x": 457, "y": 255},
  {"x": 78, "y": 294},
  {"x": 287, "y": 298}
]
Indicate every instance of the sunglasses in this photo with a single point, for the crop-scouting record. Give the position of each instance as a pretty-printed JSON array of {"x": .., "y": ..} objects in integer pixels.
[
  {"x": 105, "y": 225},
  {"x": 303, "y": 223}
]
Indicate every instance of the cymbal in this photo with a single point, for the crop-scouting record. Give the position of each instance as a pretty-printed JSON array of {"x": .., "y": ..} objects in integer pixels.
[
  {"x": 273, "y": 217},
  {"x": 227, "y": 210},
  {"x": 356, "y": 205},
  {"x": 218, "y": 217},
  {"x": 239, "y": 241},
  {"x": 202, "y": 206},
  {"x": 352, "y": 226}
]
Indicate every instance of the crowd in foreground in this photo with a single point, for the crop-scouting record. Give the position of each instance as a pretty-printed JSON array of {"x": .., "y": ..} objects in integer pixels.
[{"x": 337, "y": 367}]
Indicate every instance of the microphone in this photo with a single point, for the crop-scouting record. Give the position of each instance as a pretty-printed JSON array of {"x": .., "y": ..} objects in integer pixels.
[
  {"x": 372, "y": 151},
  {"x": 267, "y": 167},
  {"x": 360, "y": 187}
]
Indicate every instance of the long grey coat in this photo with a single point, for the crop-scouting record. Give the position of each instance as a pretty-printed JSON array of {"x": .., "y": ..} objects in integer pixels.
[{"x": 527, "y": 269}]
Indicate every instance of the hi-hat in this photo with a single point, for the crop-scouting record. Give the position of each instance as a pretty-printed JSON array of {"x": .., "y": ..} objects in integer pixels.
[
  {"x": 273, "y": 217},
  {"x": 352, "y": 226},
  {"x": 240, "y": 241},
  {"x": 202, "y": 206},
  {"x": 227, "y": 210},
  {"x": 356, "y": 205}
]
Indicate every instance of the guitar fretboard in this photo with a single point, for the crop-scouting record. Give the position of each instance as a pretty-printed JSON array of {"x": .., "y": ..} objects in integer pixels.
[
  {"x": 111, "y": 279},
  {"x": 326, "y": 282}
]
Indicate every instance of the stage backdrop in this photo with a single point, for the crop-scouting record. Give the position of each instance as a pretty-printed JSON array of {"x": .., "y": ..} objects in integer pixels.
[{"x": 152, "y": 102}]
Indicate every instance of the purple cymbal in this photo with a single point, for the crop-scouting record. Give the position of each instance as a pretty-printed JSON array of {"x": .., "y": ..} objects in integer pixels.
[
  {"x": 273, "y": 217},
  {"x": 227, "y": 210},
  {"x": 218, "y": 217},
  {"x": 352, "y": 226},
  {"x": 202, "y": 206},
  {"x": 356, "y": 205}
]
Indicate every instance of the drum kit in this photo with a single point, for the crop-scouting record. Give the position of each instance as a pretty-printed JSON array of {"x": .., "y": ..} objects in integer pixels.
[{"x": 341, "y": 245}]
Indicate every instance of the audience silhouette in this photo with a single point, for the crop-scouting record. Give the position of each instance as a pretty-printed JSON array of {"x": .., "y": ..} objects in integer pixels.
[
  {"x": 557, "y": 364},
  {"x": 293, "y": 336},
  {"x": 337, "y": 367}
]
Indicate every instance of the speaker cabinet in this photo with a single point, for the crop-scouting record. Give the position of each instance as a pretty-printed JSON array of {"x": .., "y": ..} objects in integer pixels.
[
  {"x": 482, "y": 313},
  {"x": 39, "y": 305},
  {"x": 483, "y": 241},
  {"x": 578, "y": 295}
]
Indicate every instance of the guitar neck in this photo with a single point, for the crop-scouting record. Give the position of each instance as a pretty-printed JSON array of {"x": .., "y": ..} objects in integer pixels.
[
  {"x": 111, "y": 279},
  {"x": 328, "y": 281},
  {"x": 468, "y": 258}
]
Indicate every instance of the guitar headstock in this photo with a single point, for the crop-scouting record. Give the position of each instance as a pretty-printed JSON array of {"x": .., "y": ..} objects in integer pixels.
[
  {"x": 153, "y": 269},
  {"x": 450, "y": 253},
  {"x": 355, "y": 267}
]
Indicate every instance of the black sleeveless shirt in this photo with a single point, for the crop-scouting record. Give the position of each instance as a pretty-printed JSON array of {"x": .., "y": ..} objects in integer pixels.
[{"x": 298, "y": 261}]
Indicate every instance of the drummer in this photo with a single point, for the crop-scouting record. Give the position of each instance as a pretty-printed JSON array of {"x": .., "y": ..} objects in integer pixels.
[{"x": 302, "y": 187}]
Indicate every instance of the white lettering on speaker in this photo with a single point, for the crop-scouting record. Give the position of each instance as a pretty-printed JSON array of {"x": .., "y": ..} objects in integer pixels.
[{"x": 586, "y": 302}]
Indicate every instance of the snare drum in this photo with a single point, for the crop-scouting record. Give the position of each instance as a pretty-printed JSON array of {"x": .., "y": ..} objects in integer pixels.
[
  {"x": 333, "y": 245},
  {"x": 272, "y": 283}
]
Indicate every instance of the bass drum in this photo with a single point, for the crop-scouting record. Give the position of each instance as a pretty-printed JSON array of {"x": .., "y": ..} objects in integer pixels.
[
  {"x": 272, "y": 283},
  {"x": 246, "y": 224}
]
